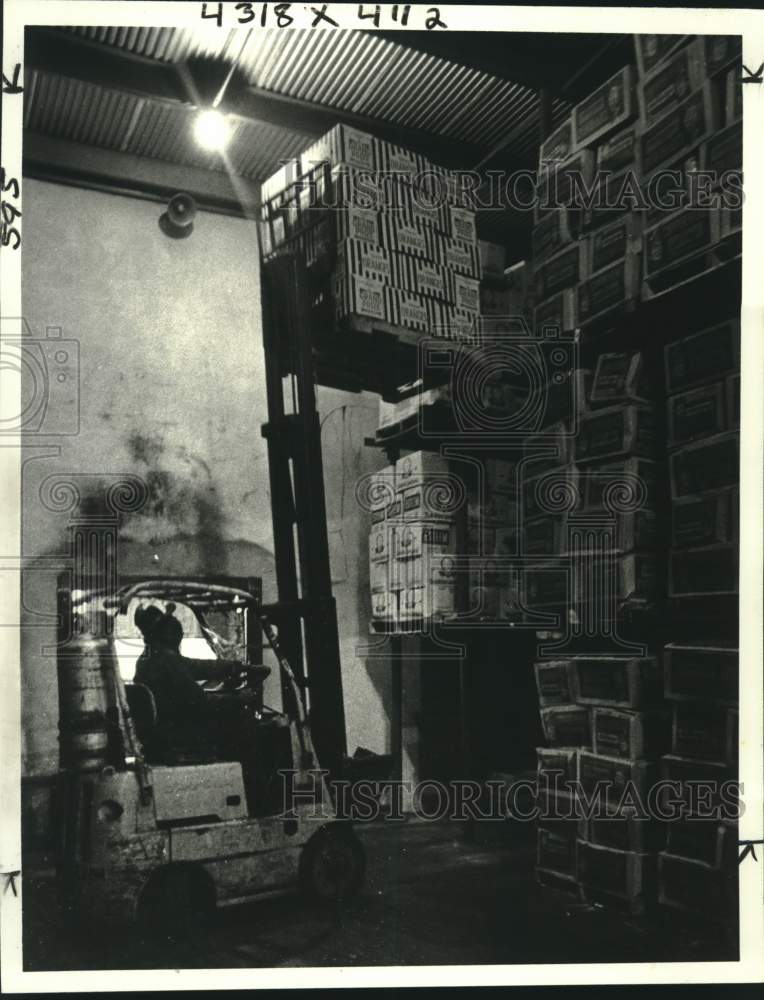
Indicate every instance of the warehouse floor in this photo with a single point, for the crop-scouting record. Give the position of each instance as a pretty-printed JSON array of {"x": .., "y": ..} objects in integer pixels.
[{"x": 432, "y": 897}]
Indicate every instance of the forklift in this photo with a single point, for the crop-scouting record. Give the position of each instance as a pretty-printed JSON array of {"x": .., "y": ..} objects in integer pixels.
[
  {"x": 159, "y": 827},
  {"x": 162, "y": 832}
]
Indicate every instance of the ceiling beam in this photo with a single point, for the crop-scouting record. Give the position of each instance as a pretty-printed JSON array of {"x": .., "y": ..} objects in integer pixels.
[
  {"x": 65, "y": 54},
  {"x": 64, "y": 162}
]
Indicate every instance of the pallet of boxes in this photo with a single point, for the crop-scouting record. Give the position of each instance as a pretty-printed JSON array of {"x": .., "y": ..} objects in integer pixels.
[
  {"x": 384, "y": 231},
  {"x": 698, "y": 868},
  {"x": 438, "y": 532}
]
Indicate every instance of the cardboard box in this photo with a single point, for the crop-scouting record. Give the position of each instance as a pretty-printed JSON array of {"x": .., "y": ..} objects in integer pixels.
[
  {"x": 704, "y": 520},
  {"x": 606, "y": 109},
  {"x": 462, "y": 224},
  {"x": 559, "y": 144},
  {"x": 633, "y": 735},
  {"x": 692, "y": 886},
  {"x": 556, "y": 853},
  {"x": 684, "y": 796},
  {"x": 710, "y": 464},
  {"x": 616, "y": 430},
  {"x": 464, "y": 292},
  {"x": 557, "y": 313},
  {"x": 636, "y": 531},
  {"x": 720, "y": 51},
  {"x": 632, "y": 683},
  {"x": 354, "y": 295},
  {"x": 733, "y": 97},
  {"x": 420, "y": 466},
  {"x": 381, "y": 542},
  {"x": 704, "y": 732},
  {"x": 493, "y": 259},
  {"x": 638, "y": 475},
  {"x": 702, "y": 357},
  {"x": 415, "y": 241},
  {"x": 556, "y": 766},
  {"x": 462, "y": 259},
  {"x": 625, "y": 875},
  {"x": 710, "y": 570},
  {"x": 669, "y": 86},
  {"x": 554, "y": 231},
  {"x": 544, "y": 536},
  {"x": 564, "y": 270},
  {"x": 553, "y": 683},
  {"x": 411, "y": 311},
  {"x": 567, "y": 399},
  {"x": 546, "y": 450},
  {"x": 628, "y": 578},
  {"x": 677, "y": 131},
  {"x": 624, "y": 831},
  {"x": 707, "y": 841},
  {"x": 567, "y": 726},
  {"x": 722, "y": 152},
  {"x": 611, "y": 288},
  {"x": 653, "y": 50},
  {"x": 682, "y": 235},
  {"x": 431, "y": 541},
  {"x": 342, "y": 145},
  {"x": 422, "y": 277},
  {"x": 620, "y": 378},
  {"x": 709, "y": 672},
  {"x": 381, "y": 580},
  {"x": 619, "y": 152},
  {"x": 697, "y": 413},
  {"x": 363, "y": 260},
  {"x": 429, "y": 502},
  {"x": 546, "y": 584},
  {"x": 560, "y": 186},
  {"x": 392, "y": 159},
  {"x": 384, "y": 607},
  {"x": 439, "y": 568},
  {"x": 630, "y": 776},
  {"x": 609, "y": 245},
  {"x": 432, "y": 601}
]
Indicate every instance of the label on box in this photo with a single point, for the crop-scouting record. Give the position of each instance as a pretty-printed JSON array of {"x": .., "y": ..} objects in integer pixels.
[
  {"x": 466, "y": 293},
  {"x": 705, "y": 465},
  {"x": 612, "y": 243},
  {"x": 617, "y": 378},
  {"x": 687, "y": 232},
  {"x": 558, "y": 145},
  {"x": 342, "y": 144},
  {"x": 633, "y": 735},
  {"x": 638, "y": 475},
  {"x": 672, "y": 83},
  {"x": 463, "y": 225},
  {"x": 380, "y": 536},
  {"x": 704, "y": 520},
  {"x": 396, "y": 159},
  {"x": 411, "y": 311},
  {"x": 609, "y": 106},
  {"x": 553, "y": 683},
  {"x": 703, "y": 732},
  {"x": 724, "y": 150},
  {"x": 609, "y": 288},
  {"x": 361, "y": 296},
  {"x": 413, "y": 469},
  {"x": 366, "y": 260},
  {"x": 559, "y": 272},
  {"x": 551, "y": 233},
  {"x": 566, "y": 726},
  {"x": 618, "y": 152},
  {"x": 681, "y": 128},
  {"x": 403, "y": 237},
  {"x": 384, "y": 607},
  {"x": 695, "y": 414},
  {"x": 419, "y": 276},
  {"x": 415, "y": 540},
  {"x": 356, "y": 223},
  {"x": 463, "y": 258},
  {"x": 557, "y": 313},
  {"x": 702, "y": 356},
  {"x": 653, "y": 49},
  {"x": 616, "y": 430},
  {"x": 620, "y": 682}
]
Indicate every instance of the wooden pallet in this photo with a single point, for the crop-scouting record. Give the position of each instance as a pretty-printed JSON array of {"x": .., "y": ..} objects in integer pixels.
[
  {"x": 566, "y": 884},
  {"x": 691, "y": 268}
]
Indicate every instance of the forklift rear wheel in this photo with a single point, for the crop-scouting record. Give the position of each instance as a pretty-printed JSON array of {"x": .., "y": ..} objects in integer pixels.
[{"x": 333, "y": 864}]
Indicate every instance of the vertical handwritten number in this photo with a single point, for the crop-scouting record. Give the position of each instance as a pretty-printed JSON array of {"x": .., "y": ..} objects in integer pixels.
[
  {"x": 434, "y": 21},
  {"x": 6, "y": 233},
  {"x": 12, "y": 86},
  {"x": 373, "y": 16},
  {"x": 12, "y": 183},
  {"x": 404, "y": 15},
  {"x": 10, "y": 213},
  {"x": 217, "y": 16}
]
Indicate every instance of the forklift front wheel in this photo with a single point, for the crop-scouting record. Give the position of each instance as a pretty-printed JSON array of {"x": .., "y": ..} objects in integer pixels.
[{"x": 333, "y": 864}]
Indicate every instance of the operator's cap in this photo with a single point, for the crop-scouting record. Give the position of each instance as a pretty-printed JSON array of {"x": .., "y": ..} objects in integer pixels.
[{"x": 147, "y": 619}]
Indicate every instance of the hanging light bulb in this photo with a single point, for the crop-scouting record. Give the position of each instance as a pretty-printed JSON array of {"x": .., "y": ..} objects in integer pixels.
[{"x": 211, "y": 130}]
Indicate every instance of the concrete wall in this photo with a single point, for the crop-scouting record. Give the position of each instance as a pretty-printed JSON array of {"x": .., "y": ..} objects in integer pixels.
[{"x": 171, "y": 389}]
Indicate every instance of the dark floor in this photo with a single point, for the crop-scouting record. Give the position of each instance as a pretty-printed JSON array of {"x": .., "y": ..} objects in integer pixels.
[{"x": 432, "y": 897}]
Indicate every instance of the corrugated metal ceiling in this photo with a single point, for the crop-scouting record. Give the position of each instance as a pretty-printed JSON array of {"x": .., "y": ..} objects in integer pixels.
[{"x": 352, "y": 71}]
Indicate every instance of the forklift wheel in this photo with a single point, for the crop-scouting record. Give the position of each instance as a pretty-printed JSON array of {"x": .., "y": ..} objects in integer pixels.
[{"x": 332, "y": 865}]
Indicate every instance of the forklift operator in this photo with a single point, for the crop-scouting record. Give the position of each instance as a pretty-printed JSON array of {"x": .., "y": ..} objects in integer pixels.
[{"x": 181, "y": 704}]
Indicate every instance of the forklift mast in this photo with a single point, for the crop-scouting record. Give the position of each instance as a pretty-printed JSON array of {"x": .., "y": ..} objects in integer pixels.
[{"x": 306, "y": 612}]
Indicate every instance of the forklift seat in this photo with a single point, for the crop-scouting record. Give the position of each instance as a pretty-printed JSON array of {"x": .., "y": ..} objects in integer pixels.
[{"x": 143, "y": 710}]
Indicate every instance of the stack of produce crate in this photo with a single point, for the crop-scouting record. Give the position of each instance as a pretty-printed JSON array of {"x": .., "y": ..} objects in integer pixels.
[{"x": 385, "y": 230}]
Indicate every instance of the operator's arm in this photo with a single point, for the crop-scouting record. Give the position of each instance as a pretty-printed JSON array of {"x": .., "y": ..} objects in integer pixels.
[{"x": 212, "y": 670}]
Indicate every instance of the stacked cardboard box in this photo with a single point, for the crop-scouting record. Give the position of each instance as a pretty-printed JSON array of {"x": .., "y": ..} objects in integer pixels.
[
  {"x": 698, "y": 866},
  {"x": 703, "y": 415},
  {"x": 387, "y": 229},
  {"x": 604, "y": 721}
]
